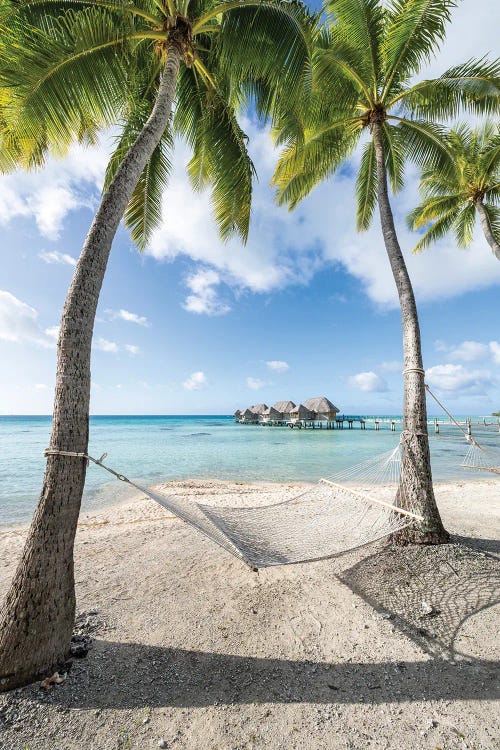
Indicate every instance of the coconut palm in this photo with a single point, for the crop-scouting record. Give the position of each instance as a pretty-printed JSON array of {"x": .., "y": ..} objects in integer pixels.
[
  {"x": 469, "y": 187},
  {"x": 363, "y": 89},
  {"x": 72, "y": 67}
]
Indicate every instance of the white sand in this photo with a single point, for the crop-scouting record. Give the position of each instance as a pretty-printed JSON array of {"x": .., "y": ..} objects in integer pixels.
[{"x": 193, "y": 648}]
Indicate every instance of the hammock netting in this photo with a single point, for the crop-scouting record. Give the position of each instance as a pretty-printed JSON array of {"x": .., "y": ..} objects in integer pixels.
[{"x": 345, "y": 511}]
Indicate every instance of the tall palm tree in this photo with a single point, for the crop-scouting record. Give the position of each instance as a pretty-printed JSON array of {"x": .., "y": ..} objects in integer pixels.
[
  {"x": 469, "y": 187},
  {"x": 72, "y": 67},
  {"x": 363, "y": 89}
]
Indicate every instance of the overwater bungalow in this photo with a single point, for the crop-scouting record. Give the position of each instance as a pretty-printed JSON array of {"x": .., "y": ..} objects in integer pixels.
[
  {"x": 285, "y": 409},
  {"x": 248, "y": 416},
  {"x": 324, "y": 410},
  {"x": 271, "y": 416},
  {"x": 300, "y": 415},
  {"x": 237, "y": 415},
  {"x": 259, "y": 409}
]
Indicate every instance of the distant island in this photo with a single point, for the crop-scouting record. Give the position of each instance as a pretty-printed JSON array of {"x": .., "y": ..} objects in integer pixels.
[{"x": 496, "y": 414}]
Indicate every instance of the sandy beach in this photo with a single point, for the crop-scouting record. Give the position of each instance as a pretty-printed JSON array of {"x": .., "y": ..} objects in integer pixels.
[{"x": 380, "y": 648}]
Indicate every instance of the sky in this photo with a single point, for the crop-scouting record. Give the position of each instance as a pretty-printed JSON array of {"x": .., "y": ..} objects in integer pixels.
[{"x": 197, "y": 326}]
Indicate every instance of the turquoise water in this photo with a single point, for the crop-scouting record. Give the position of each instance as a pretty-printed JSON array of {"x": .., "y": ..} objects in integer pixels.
[{"x": 151, "y": 449}]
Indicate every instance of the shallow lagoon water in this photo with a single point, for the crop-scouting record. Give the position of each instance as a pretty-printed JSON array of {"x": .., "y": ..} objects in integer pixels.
[{"x": 158, "y": 448}]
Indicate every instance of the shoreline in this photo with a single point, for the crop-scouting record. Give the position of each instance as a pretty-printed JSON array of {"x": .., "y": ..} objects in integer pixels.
[{"x": 232, "y": 491}]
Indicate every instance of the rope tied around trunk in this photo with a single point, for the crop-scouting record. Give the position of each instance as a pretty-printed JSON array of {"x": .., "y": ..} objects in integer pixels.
[{"x": 88, "y": 459}]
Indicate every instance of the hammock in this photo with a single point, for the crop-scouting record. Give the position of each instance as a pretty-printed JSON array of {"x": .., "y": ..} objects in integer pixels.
[
  {"x": 339, "y": 513},
  {"x": 479, "y": 457}
]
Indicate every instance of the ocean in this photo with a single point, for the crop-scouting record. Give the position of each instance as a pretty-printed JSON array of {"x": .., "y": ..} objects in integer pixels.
[{"x": 151, "y": 449}]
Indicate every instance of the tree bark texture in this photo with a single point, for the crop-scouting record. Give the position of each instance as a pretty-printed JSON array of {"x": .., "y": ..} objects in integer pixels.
[
  {"x": 487, "y": 231},
  {"x": 416, "y": 491},
  {"x": 37, "y": 616}
]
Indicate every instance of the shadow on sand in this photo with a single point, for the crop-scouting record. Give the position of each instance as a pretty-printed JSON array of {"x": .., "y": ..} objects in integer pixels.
[
  {"x": 430, "y": 593},
  {"x": 455, "y": 580}
]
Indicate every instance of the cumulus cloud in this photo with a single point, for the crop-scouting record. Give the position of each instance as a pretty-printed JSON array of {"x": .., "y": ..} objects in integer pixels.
[
  {"x": 19, "y": 322},
  {"x": 54, "y": 256},
  {"x": 132, "y": 349},
  {"x": 129, "y": 317},
  {"x": 255, "y": 384},
  {"x": 196, "y": 381},
  {"x": 103, "y": 345},
  {"x": 457, "y": 380},
  {"x": 470, "y": 351},
  {"x": 495, "y": 351},
  {"x": 277, "y": 365},
  {"x": 203, "y": 299},
  {"x": 369, "y": 382},
  {"x": 62, "y": 186}
]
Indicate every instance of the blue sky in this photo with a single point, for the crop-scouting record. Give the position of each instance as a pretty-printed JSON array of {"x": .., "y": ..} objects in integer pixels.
[{"x": 197, "y": 326}]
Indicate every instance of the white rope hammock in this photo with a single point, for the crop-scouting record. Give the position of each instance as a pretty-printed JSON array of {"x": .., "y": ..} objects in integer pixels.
[
  {"x": 339, "y": 513},
  {"x": 478, "y": 457},
  {"x": 349, "y": 509}
]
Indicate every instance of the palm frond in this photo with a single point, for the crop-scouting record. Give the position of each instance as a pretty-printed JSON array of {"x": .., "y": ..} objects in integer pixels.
[
  {"x": 424, "y": 143},
  {"x": 361, "y": 23},
  {"x": 473, "y": 86},
  {"x": 463, "y": 224},
  {"x": 414, "y": 31},
  {"x": 366, "y": 188},
  {"x": 436, "y": 231},
  {"x": 395, "y": 156},
  {"x": 70, "y": 72}
]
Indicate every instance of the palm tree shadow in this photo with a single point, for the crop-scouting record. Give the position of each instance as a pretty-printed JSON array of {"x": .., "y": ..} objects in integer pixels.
[
  {"x": 430, "y": 593},
  {"x": 133, "y": 675}
]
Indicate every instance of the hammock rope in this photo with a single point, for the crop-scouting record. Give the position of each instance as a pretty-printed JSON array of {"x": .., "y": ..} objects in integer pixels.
[{"x": 336, "y": 514}]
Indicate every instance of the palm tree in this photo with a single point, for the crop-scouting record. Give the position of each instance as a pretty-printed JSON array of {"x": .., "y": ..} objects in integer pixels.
[
  {"x": 470, "y": 186},
  {"x": 363, "y": 88},
  {"x": 72, "y": 67}
]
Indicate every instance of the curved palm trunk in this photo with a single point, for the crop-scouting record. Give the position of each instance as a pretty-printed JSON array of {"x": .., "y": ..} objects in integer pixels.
[
  {"x": 486, "y": 227},
  {"x": 37, "y": 616},
  {"x": 416, "y": 491}
]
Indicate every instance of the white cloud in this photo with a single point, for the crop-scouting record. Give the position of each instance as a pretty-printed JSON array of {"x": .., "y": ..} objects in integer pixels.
[
  {"x": 457, "y": 380},
  {"x": 393, "y": 365},
  {"x": 204, "y": 300},
  {"x": 104, "y": 345},
  {"x": 53, "y": 256},
  {"x": 132, "y": 349},
  {"x": 369, "y": 382},
  {"x": 40, "y": 387},
  {"x": 48, "y": 195},
  {"x": 52, "y": 333},
  {"x": 469, "y": 351},
  {"x": 196, "y": 381},
  {"x": 19, "y": 322},
  {"x": 256, "y": 384},
  {"x": 495, "y": 351},
  {"x": 277, "y": 365},
  {"x": 129, "y": 317}
]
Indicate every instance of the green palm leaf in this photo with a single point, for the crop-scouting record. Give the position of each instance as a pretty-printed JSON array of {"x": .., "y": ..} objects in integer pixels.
[{"x": 366, "y": 188}]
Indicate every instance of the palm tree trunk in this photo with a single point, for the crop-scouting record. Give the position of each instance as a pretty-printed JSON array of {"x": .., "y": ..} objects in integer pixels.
[
  {"x": 486, "y": 227},
  {"x": 36, "y": 619},
  {"x": 416, "y": 492}
]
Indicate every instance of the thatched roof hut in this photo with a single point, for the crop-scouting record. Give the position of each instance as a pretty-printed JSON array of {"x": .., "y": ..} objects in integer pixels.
[
  {"x": 248, "y": 415},
  {"x": 271, "y": 414},
  {"x": 237, "y": 414},
  {"x": 259, "y": 408},
  {"x": 285, "y": 407},
  {"x": 322, "y": 407},
  {"x": 301, "y": 412}
]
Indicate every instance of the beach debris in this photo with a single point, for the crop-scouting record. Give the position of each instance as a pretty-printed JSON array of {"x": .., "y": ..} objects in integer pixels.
[
  {"x": 428, "y": 610},
  {"x": 163, "y": 743},
  {"x": 79, "y": 646},
  {"x": 54, "y": 679}
]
